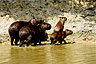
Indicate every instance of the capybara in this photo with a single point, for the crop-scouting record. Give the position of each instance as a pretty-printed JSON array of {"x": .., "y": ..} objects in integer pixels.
[
  {"x": 59, "y": 36},
  {"x": 60, "y": 25},
  {"x": 33, "y": 34},
  {"x": 43, "y": 34},
  {"x": 16, "y": 26}
]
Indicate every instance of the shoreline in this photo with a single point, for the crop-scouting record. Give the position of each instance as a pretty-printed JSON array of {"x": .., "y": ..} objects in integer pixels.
[{"x": 49, "y": 42}]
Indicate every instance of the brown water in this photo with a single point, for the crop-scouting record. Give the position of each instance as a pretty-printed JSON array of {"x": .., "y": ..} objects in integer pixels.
[{"x": 47, "y": 54}]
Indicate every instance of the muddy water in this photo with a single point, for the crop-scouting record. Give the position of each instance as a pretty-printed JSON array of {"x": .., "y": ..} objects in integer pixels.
[{"x": 46, "y": 54}]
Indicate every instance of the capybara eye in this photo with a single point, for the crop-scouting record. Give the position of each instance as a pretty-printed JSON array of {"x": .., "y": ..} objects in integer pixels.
[{"x": 59, "y": 17}]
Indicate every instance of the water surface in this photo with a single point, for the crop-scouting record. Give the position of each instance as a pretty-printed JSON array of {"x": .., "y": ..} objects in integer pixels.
[{"x": 47, "y": 54}]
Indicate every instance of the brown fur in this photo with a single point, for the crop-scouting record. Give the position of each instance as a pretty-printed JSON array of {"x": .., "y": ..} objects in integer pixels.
[
  {"x": 59, "y": 36},
  {"x": 16, "y": 26},
  {"x": 33, "y": 33},
  {"x": 60, "y": 25}
]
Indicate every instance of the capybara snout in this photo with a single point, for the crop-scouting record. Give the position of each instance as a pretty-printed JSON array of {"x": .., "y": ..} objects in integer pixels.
[{"x": 68, "y": 32}]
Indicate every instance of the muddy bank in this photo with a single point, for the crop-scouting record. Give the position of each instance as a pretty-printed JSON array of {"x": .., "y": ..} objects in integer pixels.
[
  {"x": 81, "y": 16},
  {"x": 5, "y": 22},
  {"x": 83, "y": 30}
]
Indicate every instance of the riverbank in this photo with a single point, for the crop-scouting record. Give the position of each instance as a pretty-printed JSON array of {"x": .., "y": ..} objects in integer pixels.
[
  {"x": 81, "y": 18},
  {"x": 83, "y": 30}
]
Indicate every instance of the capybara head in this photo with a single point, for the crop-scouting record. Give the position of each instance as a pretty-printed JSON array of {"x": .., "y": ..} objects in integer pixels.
[
  {"x": 36, "y": 21},
  {"x": 45, "y": 26},
  {"x": 63, "y": 19},
  {"x": 68, "y": 32},
  {"x": 39, "y": 20}
]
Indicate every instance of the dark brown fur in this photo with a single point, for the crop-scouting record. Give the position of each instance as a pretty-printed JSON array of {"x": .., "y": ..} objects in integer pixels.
[
  {"x": 60, "y": 25},
  {"x": 59, "y": 36},
  {"x": 33, "y": 33},
  {"x": 16, "y": 26}
]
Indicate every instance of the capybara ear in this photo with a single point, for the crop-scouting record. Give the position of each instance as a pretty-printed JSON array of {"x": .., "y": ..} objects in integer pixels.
[
  {"x": 31, "y": 20},
  {"x": 67, "y": 30}
]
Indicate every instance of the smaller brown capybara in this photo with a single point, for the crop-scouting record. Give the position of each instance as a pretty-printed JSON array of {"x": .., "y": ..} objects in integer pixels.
[
  {"x": 59, "y": 36},
  {"x": 60, "y": 25},
  {"x": 33, "y": 34},
  {"x": 16, "y": 26}
]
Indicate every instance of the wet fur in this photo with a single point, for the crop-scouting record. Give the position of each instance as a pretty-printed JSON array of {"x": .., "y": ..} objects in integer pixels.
[
  {"x": 16, "y": 26},
  {"x": 33, "y": 34},
  {"x": 59, "y": 36},
  {"x": 60, "y": 25}
]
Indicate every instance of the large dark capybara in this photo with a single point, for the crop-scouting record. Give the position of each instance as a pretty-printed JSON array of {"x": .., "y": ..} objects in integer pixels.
[
  {"x": 59, "y": 36},
  {"x": 16, "y": 26},
  {"x": 60, "y": 25},
  {"x": 33, "y": 34}
]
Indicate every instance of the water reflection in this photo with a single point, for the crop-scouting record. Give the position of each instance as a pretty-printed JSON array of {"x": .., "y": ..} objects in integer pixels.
[
  {"x": 46, "y": 54},
  {"x": 4, "y": 54}
]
